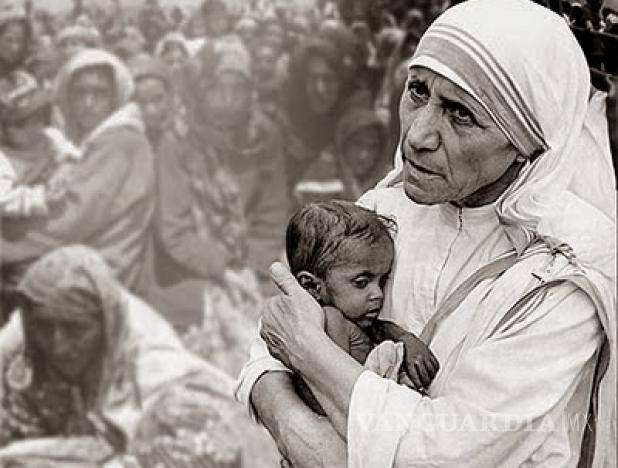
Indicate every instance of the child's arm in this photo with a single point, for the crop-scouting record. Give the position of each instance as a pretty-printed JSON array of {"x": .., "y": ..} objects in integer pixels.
[
  {"x": 421, "y": 365},
  {"x": 348, "y": 337}
]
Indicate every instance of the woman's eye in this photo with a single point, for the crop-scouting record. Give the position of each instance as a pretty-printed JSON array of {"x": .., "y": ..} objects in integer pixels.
[
  {"x": 461, "y": 115},
  {"x": 417, "y": 91},
  {"x": 361, "y": 283}
]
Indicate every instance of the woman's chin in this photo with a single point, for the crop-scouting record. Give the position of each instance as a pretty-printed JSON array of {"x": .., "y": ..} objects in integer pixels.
[{"x": 420, "y": 196}]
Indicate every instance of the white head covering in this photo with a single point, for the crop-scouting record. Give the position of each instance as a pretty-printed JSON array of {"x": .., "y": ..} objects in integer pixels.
[
  {"x": 126, "y": 113},
  {"x": 521, "y": 62}
]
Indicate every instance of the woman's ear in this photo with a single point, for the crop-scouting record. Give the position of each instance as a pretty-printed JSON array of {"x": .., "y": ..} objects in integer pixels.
[{"x": 313, "y": 284}]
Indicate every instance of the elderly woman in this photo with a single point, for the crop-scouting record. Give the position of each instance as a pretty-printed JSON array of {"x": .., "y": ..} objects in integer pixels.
[
  {"x": 505, "y": 266},
  {"x": 82, "y": 380},
  {"x": 110, "y": 193}
]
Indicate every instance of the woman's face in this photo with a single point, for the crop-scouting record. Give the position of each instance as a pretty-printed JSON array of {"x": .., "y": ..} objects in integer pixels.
[
  {"x": 451, "y": 147},
  {"x": 92, "y": 97},
  {"x": 70, "y": 341},
  {"x": 153, "y": 98},
  {"x": 322, "y": 85},
  {"x": 228, "y": 100},
  {"x": 12, "y": 42},
  {"x": 174, "y": 55}
]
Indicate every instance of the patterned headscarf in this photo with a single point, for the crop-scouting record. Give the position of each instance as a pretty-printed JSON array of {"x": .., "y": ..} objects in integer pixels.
[{"x": 76, "y": 280}]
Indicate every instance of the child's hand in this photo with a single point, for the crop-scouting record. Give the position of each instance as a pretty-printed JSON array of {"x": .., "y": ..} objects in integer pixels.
[{"x": 420, "y": 363}]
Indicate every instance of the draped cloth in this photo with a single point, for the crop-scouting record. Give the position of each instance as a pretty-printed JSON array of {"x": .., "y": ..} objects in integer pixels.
[
  {"x": 523, "y": 65},
  {"x": 147, "y": 386}
]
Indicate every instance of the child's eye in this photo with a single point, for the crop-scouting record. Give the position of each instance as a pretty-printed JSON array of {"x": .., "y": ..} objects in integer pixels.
[
  {"x": 361, "y": 283},
  {"x": 383, "y": 280}
]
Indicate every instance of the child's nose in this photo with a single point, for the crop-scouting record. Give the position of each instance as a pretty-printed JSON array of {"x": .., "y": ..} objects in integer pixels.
[{"x": 376, "y": 293}]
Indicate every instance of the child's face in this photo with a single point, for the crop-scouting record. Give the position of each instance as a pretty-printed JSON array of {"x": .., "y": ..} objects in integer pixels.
[{"x": 356, "y": 286}]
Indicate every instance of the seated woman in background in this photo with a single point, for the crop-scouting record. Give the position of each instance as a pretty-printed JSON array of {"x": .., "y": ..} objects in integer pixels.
[
  {"x": 92, "y": 367},
  {"x": 353, "y": 164},
  {"x": 218, "y": 218},
  {"x": 110, "y": 196}
]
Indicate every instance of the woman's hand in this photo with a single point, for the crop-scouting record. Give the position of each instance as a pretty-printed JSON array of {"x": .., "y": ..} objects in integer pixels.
[{"x": 288, "y": 317}]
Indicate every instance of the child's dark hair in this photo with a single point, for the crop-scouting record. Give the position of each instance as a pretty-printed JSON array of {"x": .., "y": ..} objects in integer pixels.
[{"x": 317, "y": 231}]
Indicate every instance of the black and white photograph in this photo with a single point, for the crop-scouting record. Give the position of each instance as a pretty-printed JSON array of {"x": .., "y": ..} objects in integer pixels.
[{"x": 308, "y": 233}]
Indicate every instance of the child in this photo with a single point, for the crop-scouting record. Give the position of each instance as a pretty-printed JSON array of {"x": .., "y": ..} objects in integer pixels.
[
  {"x": 342, "y": 254},
  {"x": 35, "y": 159}
]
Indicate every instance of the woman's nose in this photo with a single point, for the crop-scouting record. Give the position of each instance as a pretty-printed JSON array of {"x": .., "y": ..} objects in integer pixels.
[{"x": 423, "y": 133}]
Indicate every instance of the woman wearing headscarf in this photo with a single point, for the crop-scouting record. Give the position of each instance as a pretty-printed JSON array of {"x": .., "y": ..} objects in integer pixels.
[
  {"x": 15, "y": 42},
  {"x": 173, "y": 285},
  {"x": 173, "y": 50},
  {"x": 84, "y": 381},
  {"x": 110, "y": 201},
  {"x": 320, "y": 86},
  {"x": 238, "y": 150},
  {"x": 505, "y": 266}
]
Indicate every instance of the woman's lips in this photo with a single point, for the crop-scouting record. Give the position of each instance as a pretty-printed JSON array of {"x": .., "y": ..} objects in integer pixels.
[{"x": 421, "y": 169}]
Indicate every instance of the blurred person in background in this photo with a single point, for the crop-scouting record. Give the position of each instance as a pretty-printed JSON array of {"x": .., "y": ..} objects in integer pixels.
[
  {"x": 175, "y": 271},
  {"x": 152, "y": 22},
  {"x": 92, "y": 375},
  {"x": 130, "y": 44},
  {"x": 40, "y": 156},
  {"x": 15, "y": 44},
  {"x": 173, "y": 50},
  {"x": 212, "y": 19},
  {"x": 359, "y": 146},
  {"x": 321, "y": 85},
  {"x": 350, "y": 166},
  {"x": 71, "y": 39},
  {"x": 246, "y": 28},
  {"x": 219, "y": 214},
  {"x": 110, "y": 198}
]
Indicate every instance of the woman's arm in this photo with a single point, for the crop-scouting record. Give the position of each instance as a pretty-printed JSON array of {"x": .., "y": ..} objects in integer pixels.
[
  {"x": 507, "y": 392},
  {"x": 265, "y": 387},
  {"x": 293, "y": 328},
  {"x": 303, "y": 437}
]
